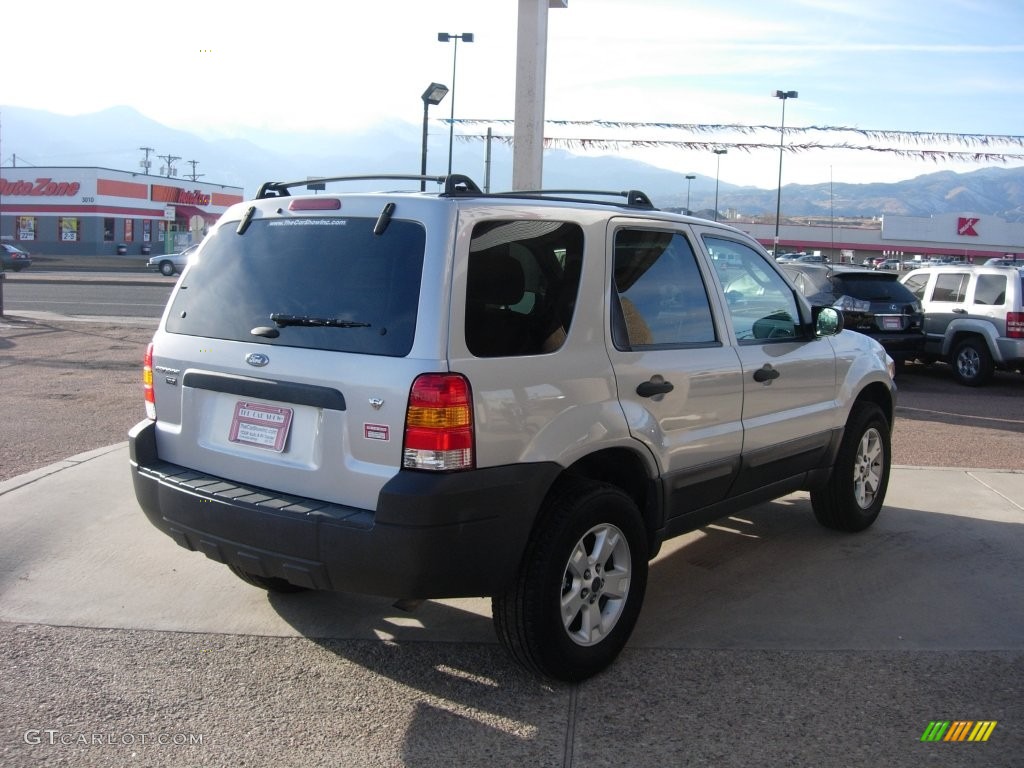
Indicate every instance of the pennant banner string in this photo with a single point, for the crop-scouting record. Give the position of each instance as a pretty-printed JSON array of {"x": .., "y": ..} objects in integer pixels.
[{"x": 707, "y": 146}]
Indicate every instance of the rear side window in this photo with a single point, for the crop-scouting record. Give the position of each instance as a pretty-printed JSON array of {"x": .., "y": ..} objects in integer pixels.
[
  {"x": 522, "y": 281},
  {"x": 331, "y": 283},
  {"x": 950, "y": 287},
  {"x": 990, "y": 290},
  {"x": 917, "y": 284}
]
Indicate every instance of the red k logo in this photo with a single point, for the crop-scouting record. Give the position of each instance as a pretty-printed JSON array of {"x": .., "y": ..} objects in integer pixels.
[{"x": 965, "y": 226}]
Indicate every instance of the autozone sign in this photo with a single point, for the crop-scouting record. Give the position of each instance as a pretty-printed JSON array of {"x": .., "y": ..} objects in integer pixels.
[
  {"x": 43, "y": 187},
  {"x": 164, "y": 194},
  {"x": 965, "y": 226}
]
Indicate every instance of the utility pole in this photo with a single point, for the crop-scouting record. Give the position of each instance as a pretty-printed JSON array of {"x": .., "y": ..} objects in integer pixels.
[
  {"x": 169, "y": 169},
  {"x": 194, "y": 176},
  {"x": 145, "y": 164}
]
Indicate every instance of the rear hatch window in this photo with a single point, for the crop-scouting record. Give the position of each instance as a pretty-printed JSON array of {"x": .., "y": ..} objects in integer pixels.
[{"x": 317, "y": 282}]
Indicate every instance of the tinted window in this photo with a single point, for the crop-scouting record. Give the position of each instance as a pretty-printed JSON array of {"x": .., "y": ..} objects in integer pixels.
[
  {"x": 917, "y": 284},
  {"x": 990, "y": 289},
  {"x": 324, "y": 268},
  {"x": 661, "y": 297},
  {"x": 872, "y": 289},
  {"x": 950, "y": 287},
  {"x": 521, "y": 286}
]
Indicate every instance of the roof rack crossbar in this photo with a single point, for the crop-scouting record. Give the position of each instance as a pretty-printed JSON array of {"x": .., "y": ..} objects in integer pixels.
[
  {"x": 634, "y": 197},
  {"x": 454, "y": 184}
]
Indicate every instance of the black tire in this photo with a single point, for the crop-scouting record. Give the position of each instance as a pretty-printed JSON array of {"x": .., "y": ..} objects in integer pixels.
[
  {"x": 587, "y": 552},
  {"x": 167, "y": 268},
  {"x": 972, "y": 362},
  {"x": 855, "y": 492},
  {"x": 269, "y": 583}
]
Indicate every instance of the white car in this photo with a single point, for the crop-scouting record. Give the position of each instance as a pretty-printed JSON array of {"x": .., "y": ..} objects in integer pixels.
[{"x": 170, "y": 264}]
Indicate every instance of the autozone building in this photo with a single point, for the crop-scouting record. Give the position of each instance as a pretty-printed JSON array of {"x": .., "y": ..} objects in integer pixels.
[{"x": 100, "y": 211}]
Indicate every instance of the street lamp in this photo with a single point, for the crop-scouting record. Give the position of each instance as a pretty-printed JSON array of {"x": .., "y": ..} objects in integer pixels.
[
  {"x": 689, "y": 178},
  {"x": 718, "y": 166},
  {"x": 782, "y": 137},
  {"x": 433, "y": 95},
  {"x": 444, "y": 37}
]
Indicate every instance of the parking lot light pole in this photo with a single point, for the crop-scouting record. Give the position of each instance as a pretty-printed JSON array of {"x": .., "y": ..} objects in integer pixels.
[
  {"x": 782, "y": 137},
  {"x": 689, "y": 178},
  {"x": 432, "y": 96},
  {"x": 444, "y": 37},
  {"x": 718, "y": 167}
]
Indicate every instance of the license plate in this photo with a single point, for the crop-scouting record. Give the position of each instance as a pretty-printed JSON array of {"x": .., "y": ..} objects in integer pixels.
[
  {"x": 892, "y": 323},
  {"x": 260, "y": 425}
]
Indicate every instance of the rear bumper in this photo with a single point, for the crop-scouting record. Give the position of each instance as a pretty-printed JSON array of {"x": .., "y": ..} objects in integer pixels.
[{"x": 431, "y": 536}]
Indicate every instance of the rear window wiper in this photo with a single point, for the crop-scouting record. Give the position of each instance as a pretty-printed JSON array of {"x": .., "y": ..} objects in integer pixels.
[{"x": 282, "y": 320}]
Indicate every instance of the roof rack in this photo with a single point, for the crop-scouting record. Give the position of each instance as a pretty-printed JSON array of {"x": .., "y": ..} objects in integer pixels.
[
  {"x": 634, "y": 197},
  {"x": 454, "y": 184}
]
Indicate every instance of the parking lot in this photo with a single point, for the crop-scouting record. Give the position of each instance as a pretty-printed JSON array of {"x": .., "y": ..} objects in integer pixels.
[{"x": 764, "y": 641}]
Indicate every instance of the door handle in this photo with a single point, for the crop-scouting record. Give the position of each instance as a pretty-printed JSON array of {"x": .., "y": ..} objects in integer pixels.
[
  {"x": 766, "y": 375},
  {"x": 959, "y": 310},
  {"x": 656, "y": 386}
]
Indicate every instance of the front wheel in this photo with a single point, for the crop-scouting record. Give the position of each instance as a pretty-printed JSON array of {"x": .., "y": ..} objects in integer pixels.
[
  {"x": 580, "y": 586},
  {"x": 855, "y": 492},
  {"x": 166, "y": 268}
]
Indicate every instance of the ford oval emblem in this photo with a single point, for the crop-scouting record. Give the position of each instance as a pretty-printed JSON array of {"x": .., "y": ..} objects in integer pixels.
[{"x": 257, "y": 359}]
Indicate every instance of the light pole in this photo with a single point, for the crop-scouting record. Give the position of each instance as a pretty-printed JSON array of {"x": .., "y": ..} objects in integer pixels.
[
  {"x": 444, "y": 37},
  {"x": 689, "y": 178},
  {"x": 433, "y": 95},
  {"x": 782, "y": 137},
  {"x": 718, "y": 167}
]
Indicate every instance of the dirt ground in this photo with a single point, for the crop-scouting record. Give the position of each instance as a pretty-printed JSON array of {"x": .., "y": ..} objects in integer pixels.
[{"x": 68, "y": 387}]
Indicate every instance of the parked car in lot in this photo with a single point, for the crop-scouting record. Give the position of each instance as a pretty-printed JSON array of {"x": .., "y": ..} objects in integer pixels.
[
  {"x": 171, "y": 263},
  {"x": 873, "y": 303},
  {"x": 14, "y": 258},
  {"x": 889, "y": 264},
  {"x": 997, "y": 262},
  {"x": 519, "y": 395},
  {"x": 973, "y": 318}
]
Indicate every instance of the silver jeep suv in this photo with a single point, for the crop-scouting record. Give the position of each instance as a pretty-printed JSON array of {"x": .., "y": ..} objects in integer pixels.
[
  {"x": 973, "y": 318},
  {"x": 439, "y": 394}
]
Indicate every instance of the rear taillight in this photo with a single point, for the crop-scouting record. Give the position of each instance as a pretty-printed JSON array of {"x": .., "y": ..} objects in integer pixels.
[
  {"x": 439, "y": 424},
  {"x": 1015, "y": 325},
  {"x": 147, "y": 383}
]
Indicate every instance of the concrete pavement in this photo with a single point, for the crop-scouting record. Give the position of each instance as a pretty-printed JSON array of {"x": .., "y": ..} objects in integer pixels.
[{"x": 764, "y": 640}]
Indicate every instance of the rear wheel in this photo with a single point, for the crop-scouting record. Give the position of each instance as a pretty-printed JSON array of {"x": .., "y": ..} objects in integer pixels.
[
  {"x": 855, "y": 492},
  {"x": 166, "y": 268},
  {"x": 581, "y": 584},
  {"x": 269, "y": 583},
  {"x": 972, "y": 362}
]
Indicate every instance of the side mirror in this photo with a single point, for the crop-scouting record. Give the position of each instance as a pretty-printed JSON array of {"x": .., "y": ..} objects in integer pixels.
[{"x": 828, "y": 321}]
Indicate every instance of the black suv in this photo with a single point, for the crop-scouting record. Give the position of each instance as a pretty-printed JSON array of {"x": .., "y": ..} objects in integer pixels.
[{"x": 873, "y": 302}]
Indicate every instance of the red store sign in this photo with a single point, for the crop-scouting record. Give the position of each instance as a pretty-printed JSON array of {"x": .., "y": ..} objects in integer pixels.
[
  {"x": 43, "y": 187},
  {"x": 965, "y": 226},
  {"x": 164, "y": 194}
]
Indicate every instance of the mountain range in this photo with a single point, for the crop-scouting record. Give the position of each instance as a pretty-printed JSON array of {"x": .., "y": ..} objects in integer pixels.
[{"x": 113, "y": 138}]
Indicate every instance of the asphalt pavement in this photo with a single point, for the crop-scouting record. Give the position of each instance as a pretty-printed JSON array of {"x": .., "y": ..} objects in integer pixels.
[{"x": 765, "y": 640}]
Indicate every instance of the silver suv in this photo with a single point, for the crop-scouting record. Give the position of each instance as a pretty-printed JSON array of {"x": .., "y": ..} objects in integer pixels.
[
  {"x": 439, "y": 394},
  {"x": 973, "y": 318}
]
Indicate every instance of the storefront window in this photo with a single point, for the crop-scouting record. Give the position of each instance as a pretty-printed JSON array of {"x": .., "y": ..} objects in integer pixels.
[
  {"x": 129, "y": 230},
  {"x": 108, "y": 230},
  {"x": 26, "y": 228},
  {"x": 67, "y": 229},
  {"x": 147, "y": 230},
  {"x": 161, "y": 229}
]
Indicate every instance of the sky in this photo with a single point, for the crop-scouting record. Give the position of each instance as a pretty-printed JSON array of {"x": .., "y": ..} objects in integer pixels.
[{"x": 225, "y": 69}]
